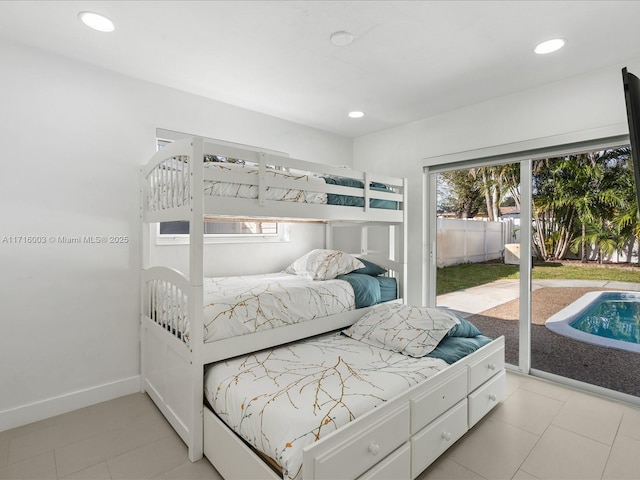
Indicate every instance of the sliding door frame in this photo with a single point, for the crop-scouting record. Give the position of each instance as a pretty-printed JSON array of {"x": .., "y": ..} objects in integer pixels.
[{"x": 519, "y": 152}]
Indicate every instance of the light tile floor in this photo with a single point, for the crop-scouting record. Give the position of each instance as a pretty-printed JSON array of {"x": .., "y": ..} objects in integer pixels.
[
  {"x": 541, "y": 431},
  {"x": 546, "y": 431}
]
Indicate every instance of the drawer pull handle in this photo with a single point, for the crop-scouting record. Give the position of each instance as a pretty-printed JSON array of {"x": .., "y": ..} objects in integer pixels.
[
  {"x": 492, "y": 397},
  {"x": 374, "y": 449},
  {"x": 446, "y": 436},
  {"x": 491, "y": 366}
]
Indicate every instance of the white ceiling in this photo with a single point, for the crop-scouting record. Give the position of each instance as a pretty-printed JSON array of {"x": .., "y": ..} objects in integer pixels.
[{"x": 409, "y": 60}]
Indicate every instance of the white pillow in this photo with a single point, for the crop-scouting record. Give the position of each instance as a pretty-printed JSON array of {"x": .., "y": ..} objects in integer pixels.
[
  {"x": 413, "y": 331},
  {"x": 322, "y": 264}
]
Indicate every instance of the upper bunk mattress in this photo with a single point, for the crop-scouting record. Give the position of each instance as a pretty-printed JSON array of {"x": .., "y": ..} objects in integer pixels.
[
  {"x": 177, "y": 185},
  {"x": 284, "y": 399},
  {"x": 246, "y": 304},
  {"x": 304, "y": 194}
]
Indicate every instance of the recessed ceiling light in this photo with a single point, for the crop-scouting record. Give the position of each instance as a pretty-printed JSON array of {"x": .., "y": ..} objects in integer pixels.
[
  {"x": 549, "y": 46},
  {"x": 356, "y": 114},
  {"x": 341, "y": 39},
  {"x": 96, "y": 21}
]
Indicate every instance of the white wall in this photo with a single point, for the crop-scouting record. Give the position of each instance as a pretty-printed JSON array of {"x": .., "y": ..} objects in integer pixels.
[
  {"x": 73, "y": 140},
  {"x": 222, "y": 260},
  {"x": 581, "y": 103}
]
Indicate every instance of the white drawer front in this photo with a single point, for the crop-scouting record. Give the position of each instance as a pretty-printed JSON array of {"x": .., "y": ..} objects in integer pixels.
[
  {"x": 357, "y": 454},
  {"x": 486, "y": 397},
  {"x": 433, "y": 440},
  {"x": 396, "y": 466},
  {"x": 430, "y": 405},
  {"x": 484, "y": 369}
]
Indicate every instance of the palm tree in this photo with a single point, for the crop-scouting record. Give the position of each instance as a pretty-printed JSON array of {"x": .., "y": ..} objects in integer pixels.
[
  {"x": 498, "y": 181},
  {"x": 554, "y": 221},
  {"x": 626, "y": 220},
  {"x": 585, "y": 187}
]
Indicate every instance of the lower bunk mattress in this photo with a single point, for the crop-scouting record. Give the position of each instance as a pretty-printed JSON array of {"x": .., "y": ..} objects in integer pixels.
[
  {"x": 283, "y": 399},
  {"x": 246, "y": 304}
]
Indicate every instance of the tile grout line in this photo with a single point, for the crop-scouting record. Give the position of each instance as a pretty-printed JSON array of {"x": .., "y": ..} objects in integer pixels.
[{"x": 539, "y": 437}]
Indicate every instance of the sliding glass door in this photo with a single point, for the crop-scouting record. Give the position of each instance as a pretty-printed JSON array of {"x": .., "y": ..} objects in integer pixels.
[
  {"x": 474, "y": 239},
  {"x": 578, "y": 220},
  {"x": 586, "y": 310}
]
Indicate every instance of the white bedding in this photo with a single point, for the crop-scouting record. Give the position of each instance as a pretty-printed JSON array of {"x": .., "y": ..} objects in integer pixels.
[
  {"x": 171, "y": 187},
  {"x": 284, "y": 399},
  {"x": 225, "y": 189},
  {"x": 246, "y": 304}
]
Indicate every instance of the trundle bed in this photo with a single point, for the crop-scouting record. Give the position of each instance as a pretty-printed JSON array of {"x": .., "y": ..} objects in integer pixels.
[{"x": 374, "y": 412}]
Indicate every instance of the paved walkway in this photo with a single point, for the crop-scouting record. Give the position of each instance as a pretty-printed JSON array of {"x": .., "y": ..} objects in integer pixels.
[{"x": 478, "y": 299}]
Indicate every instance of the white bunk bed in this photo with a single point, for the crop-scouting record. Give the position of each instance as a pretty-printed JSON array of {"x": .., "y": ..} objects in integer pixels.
[{"x": 178, "y": 184}]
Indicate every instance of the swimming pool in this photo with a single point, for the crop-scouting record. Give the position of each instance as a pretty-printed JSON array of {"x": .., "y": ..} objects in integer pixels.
[{"x": 610, "y": 319}]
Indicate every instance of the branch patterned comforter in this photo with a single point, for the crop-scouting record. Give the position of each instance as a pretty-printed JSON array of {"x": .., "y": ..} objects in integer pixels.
[
  {"x": 284, "y": 399},
  {"x": 303, "y": 195},
  {"x": 239, "y": 305},
  {"x": 178, "y": 186}
]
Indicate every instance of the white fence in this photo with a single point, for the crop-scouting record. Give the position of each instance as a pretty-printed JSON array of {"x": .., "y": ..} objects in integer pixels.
[
  {"x": 473, "y": 241},
  {"x": 476, "y": 240}
]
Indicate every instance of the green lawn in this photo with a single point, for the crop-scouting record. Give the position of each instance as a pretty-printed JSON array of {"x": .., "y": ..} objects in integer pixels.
[{"x": 458, "y": 277}]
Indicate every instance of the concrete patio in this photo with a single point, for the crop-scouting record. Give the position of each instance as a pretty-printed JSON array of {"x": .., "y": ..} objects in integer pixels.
[{"x": 471, "y": 301}]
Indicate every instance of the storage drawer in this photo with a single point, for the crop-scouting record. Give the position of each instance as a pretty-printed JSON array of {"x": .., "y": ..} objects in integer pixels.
[
  {"x": 361, "y": 451},
  {"x": 396, "y": 466},
  {"x": 486, "y": 397},
  {"x": 433, "y": 440},
  {"x": 485, "y": 368},
  {"x": 430, "y": 405}
]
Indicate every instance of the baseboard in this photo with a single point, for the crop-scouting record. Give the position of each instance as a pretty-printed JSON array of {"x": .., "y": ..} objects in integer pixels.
[
  {"x": 587, "y": 387},
  {"x": 33, "y": 412}
]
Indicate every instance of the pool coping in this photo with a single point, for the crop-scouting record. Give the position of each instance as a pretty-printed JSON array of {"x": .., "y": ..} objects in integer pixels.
[{"x": 560, "y": 323}]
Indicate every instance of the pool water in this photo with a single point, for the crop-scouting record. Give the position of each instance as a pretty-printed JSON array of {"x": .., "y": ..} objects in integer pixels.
[
  {"x": 605, "y": 318},
  {"x": 613, "y": 315}
]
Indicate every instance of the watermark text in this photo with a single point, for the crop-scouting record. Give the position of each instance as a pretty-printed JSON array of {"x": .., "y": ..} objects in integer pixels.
[{"x": 63, "y": 239}]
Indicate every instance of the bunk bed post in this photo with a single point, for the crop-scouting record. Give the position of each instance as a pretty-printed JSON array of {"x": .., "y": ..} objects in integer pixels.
[
  {"x": 328, "y": 235},
  {"x": 366, "y": 189},
  {"x": 262, "y": 178},
  {"x": 364, "y": 240},
  {"x": 403, "y": 242},
  {"x": 144, "y": 264},
  {"x": 196, "y": 273}
]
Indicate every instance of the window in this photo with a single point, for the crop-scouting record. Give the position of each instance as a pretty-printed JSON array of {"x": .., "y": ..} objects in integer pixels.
[
  {"x": 222, "y": 228},
  {"x": 218, "y": 231},
  {"x": 171, "y": 233}
]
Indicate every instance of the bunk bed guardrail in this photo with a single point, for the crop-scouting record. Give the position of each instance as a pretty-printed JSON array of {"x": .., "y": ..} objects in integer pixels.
[
  {"x": 169, "y": 179},
  {"x": 166, "y": 300}
]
